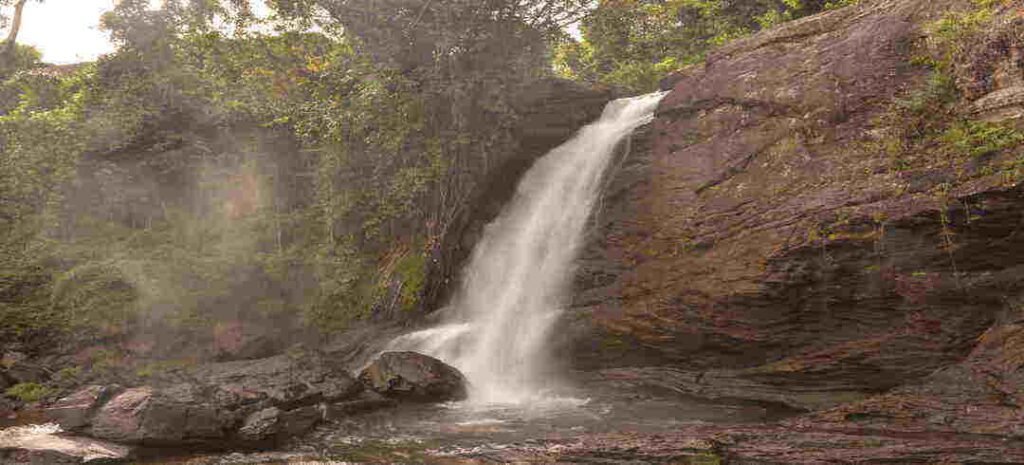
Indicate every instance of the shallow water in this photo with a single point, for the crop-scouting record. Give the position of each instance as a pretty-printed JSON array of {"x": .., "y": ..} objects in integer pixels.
[{"x": 447, "y": 433}]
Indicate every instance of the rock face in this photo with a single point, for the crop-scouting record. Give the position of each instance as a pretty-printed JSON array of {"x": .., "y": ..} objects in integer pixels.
[
  {"x": 415, "y": 377},
  {"x": 759, "y": 244},
  {"x": 16, "y": 368}
]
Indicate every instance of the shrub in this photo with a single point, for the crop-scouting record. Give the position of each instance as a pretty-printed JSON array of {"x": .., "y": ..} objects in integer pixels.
[
  {"x": 976, "y": 139},
  {"x": 28, "y": 392}
]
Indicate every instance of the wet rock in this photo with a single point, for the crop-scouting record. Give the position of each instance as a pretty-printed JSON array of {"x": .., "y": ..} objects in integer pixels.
[
  {"x": 729, "y": 385},
  {"x": 74, "y": 412},
  {"x": 413, "y": 376},
  {"x": 44, "y": 445},
  {"x": 249, "y": 400},
  {"x": 281, "y": 381},
  {"x": 136, "y": 415},
  {"x": 298, "y": 421},
  {"x": 148, "y": 415},
  {"x": 366, "y": 402},
  {"x": 261, "y": 425},
  {"x": 273, "y": 423}
]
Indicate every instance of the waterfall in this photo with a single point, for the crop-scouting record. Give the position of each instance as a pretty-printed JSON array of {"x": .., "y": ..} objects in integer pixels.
[{"x": 520, "y": 272}]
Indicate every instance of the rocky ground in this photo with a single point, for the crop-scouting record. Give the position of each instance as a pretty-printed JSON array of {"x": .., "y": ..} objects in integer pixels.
[{"x": 250, "y": 404}]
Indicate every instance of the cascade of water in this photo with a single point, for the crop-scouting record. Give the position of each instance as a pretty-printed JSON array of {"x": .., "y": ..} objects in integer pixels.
[{"x": 519, "y": 274}]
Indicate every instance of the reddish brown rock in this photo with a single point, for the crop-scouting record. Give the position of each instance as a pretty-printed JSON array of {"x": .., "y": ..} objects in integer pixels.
[
  {"x": 759, "y": 244},
  {"x": 758, "y": 239}
]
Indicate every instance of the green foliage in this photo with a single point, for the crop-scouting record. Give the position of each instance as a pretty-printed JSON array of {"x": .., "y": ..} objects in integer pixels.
[
  {"x": 412, "y": 271},
  {"x": 67, "y": 375},
  {"x": 837, "y": 4},
  {"x": 634, "y": 43},
  {"x": 774, "y": 17},
  {"x": 96, "y": 294},
  {"x": 28, "y": 392},
  {"x": 923, "y": 128},
  {"x": 951, "y": 33},
  {"x": 976, "y": 139}
]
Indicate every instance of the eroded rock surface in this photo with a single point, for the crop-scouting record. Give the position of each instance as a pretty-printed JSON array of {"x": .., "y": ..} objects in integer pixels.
[{"x": 757, "y": 243}]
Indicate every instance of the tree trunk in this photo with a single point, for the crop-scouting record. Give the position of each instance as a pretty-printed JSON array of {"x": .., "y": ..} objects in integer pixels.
[{"x": 10, "y": 45}]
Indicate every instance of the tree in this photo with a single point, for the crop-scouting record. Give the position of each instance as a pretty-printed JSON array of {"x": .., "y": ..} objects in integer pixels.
[
  {"x": 634, "y": 43},
  {"x": 9, "y": 50}
]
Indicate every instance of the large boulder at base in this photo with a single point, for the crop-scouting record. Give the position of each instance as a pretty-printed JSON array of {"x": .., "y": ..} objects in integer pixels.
[
  {"x": 413, "y": 376},
  {"x": 74, "y": 412},
  {"x": 175, "y": 415},
  {"x": 44, "y": 445},
  {"x": 253, "y": 400}
]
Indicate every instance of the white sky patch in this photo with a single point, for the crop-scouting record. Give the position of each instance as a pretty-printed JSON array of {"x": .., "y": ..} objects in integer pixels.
[{"x": 68, "y": 31}]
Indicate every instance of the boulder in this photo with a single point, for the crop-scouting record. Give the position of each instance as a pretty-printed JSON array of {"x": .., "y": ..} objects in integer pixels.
[
  {"x": 176, "y": 415},
  {"x": 415, "y": 377},
  {"x": 252, "y": 400},
  {"x": 74, "y": 412},
  {"x": 279, "y": 381}
]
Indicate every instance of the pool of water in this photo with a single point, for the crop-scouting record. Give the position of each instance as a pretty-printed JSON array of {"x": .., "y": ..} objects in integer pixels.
[
  {"x": 446, "y": 433},
  {"x": 442, "y": 433}
]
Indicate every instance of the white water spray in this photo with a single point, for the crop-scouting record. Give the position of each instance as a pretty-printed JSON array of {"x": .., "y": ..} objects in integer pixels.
[{"x": 519, "y": 275}]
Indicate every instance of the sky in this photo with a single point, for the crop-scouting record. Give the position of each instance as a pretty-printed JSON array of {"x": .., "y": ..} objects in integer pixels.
[{"x": 67, "y": 31}]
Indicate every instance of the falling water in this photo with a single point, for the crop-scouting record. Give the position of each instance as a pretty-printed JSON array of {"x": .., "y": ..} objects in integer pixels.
[{"x": 519, "y": 275}]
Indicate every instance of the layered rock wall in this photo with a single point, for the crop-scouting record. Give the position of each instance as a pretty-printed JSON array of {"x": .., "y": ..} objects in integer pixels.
[{"x": 760, "y": 243}]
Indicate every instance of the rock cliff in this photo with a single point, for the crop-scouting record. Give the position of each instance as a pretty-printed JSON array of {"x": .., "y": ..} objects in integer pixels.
[{"x": 760, "y": 242}]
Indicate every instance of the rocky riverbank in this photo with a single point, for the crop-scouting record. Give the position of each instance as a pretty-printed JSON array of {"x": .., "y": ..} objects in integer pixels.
[{"x": 249, "y": 404}]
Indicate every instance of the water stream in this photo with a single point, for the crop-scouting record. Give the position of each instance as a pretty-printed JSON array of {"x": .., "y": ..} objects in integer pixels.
[{"x": 498, "y": 326}]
